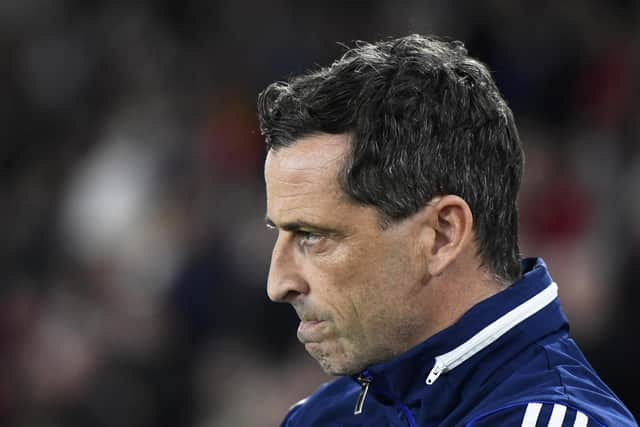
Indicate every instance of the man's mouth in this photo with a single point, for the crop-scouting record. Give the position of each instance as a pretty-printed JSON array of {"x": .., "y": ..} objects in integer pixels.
[{"x": 311, "y": 331}]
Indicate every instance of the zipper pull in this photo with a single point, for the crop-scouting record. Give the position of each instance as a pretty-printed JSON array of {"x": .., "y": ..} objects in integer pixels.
[
  {"x": 437, "y": 369},
  {"x": 364, "y": 383}
]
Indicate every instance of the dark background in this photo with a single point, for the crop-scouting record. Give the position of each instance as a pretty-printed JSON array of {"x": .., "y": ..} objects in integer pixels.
[{"x": 133, "y": 252}]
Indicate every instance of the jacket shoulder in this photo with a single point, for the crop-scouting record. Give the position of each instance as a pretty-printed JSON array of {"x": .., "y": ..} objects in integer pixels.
[
  {"x": 331, "y": 401},
  {"x": 531, "y": 414},
  {"x": 289, "y": 419},
  {"x": 554, "y": 382}
]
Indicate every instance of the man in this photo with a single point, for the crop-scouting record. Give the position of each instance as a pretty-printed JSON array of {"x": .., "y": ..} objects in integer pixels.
[{"x": 392, "y": 179}]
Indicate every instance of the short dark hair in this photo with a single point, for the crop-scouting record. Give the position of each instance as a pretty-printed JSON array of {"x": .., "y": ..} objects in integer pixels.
[{"x": 426, "y": 120}]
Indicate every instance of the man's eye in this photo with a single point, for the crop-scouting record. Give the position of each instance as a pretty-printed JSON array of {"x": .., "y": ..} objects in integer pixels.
[{"x": 308, "y": 238}]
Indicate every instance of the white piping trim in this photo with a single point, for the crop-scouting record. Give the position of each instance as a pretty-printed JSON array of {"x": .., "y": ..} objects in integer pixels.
[
  {"x": 557, "y": 415},
  {"x": 448, "y": 361},
  {"x": 581, "y": 420},
  {"x": 531, "y": 415}
]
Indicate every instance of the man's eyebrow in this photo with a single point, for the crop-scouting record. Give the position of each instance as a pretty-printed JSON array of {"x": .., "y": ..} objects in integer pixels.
[{"x": 299, "y": 225}]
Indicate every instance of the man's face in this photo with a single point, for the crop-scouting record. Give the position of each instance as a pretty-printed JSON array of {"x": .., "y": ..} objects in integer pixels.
[{"x": 351, "y": 282}]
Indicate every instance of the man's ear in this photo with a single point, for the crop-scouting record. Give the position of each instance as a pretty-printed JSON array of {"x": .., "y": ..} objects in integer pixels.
[{"x": 449, "y": 224}]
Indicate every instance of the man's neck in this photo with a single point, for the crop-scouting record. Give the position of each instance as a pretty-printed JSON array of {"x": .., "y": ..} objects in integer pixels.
[{"x": 454, "y": 293}]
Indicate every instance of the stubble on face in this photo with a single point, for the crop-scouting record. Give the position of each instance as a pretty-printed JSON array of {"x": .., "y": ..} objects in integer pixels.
[{"x": 358, "y": 281}]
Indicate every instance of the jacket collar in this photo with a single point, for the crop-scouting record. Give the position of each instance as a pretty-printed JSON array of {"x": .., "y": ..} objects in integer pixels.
[{"x": 404, "y": 378}]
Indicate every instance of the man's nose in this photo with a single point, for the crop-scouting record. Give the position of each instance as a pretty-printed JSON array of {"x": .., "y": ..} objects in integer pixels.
[{"x": 285, "y": 280}]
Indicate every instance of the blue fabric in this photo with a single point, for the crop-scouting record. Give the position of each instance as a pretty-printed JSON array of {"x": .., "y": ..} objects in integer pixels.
[{"x": 535, "y": 362}]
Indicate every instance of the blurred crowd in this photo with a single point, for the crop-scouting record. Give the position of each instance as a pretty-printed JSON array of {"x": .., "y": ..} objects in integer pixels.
[{"x": 134, "y": 254}]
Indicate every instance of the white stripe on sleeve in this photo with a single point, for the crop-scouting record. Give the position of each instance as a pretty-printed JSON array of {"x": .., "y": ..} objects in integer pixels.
[
  {"x": 557, "y": 415},
  {"x": 531, "y": 415},
  {"x": 581, "y": 420}
]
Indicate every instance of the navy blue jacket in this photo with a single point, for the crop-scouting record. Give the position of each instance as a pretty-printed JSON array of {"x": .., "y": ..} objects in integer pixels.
[{"x": 509, "y": 361}]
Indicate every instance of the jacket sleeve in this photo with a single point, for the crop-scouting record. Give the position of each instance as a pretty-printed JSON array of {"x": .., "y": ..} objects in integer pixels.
[{"x": 535, "y": 414}]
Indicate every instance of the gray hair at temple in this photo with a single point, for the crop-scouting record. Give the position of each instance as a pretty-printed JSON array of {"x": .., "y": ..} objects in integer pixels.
[{"x": 425, "y": 120}]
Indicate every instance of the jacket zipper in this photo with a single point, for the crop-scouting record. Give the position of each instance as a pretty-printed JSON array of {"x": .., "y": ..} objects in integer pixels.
[
  {"x": 448, "y": 361},
  {"x": 364, "y": 382}
]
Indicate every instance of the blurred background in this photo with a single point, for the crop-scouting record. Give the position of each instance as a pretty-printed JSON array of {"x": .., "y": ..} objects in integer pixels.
[{"x": 133, "y": 251}]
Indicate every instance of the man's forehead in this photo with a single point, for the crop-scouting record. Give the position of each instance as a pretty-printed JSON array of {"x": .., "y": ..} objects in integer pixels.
[
  {"x": 309, "y": 155},
  {"x": 302, "y": 179}
]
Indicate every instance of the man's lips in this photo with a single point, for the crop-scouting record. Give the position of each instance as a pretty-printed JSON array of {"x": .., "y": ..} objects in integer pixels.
[{"x": 311, "y": 331}]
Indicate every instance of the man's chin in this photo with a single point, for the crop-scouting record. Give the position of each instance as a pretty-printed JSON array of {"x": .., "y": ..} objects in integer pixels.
[{"x": 332, "y": 363}]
